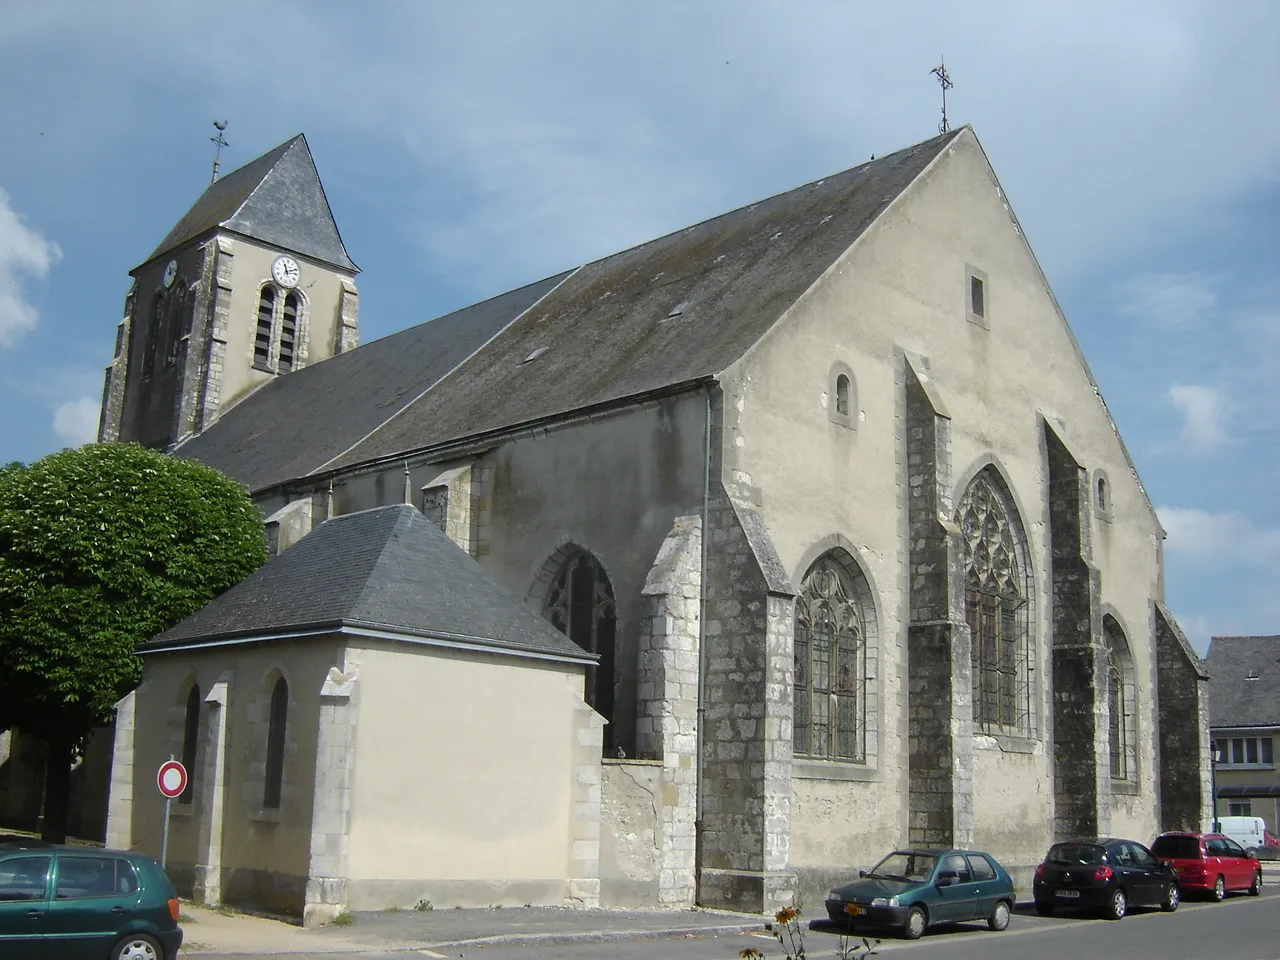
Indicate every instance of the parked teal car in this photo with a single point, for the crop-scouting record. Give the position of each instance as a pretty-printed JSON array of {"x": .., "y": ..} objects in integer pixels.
[
  {"x": 913, "y": 889},
  {"x": 84, "y": 903}
]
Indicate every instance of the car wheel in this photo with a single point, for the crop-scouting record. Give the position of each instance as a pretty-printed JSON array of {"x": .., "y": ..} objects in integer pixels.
[
  {"x": 1044, "y": 908},
  {"x": 1171, "y": 899},
  {"x": 138, "y": 946},
  {"x": 1256, "y": 889},
  {"x": 1219, "y": 889},
  {"x": 999, "y": 918},
  {"x": 1118, "y": 905},
  {"x": 915, "y": 924}
]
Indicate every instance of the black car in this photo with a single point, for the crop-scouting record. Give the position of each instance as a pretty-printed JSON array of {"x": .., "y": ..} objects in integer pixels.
[{"x": 1103, "y": 873}]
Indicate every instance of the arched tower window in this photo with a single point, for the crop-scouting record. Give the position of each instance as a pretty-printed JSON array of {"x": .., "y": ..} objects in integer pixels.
[
  {"x": 831, "y": 661},
  {"x": 275, "y": 745},
  {"x": 997, "y": 606},
  {"x": 288, "y": 331},
  {"x": 153, "y": 336},
  {"x": 842, "y": 395},
  {"x": 190, "y": 742},
  {"x": 1121, "y": 702},
  {"x": 580, "y": 603},
  {"x": 266, "y": 325}
]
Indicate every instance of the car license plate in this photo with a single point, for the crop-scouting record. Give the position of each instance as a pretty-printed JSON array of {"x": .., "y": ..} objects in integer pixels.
[
  {"x": 852, "y": 909},
  {"x": 1068, "y": 893}
]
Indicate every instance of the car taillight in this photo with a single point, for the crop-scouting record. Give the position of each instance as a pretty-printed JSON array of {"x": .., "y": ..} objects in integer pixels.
[
  {"x": 173, "y": 908},
  {"x": 1102, "y": 875},
  {"x": 1040, "y": 871}
]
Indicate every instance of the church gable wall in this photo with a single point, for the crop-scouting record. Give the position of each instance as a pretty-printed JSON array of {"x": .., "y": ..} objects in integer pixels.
[
  {"x": 476, "y": 781},
  {"x": 905, "y": 289}
]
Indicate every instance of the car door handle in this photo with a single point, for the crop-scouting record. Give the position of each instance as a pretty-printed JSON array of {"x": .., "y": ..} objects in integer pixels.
[
  {"x": 34, "y": 914},
  {"x": 117, "y": 909}
]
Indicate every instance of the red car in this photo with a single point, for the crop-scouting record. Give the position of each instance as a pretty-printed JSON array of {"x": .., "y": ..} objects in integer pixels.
[{"x": 1210, "y": 863}]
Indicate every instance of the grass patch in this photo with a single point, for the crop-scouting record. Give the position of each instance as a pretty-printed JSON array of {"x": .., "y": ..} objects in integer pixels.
[{"x": 343, "y": 919}]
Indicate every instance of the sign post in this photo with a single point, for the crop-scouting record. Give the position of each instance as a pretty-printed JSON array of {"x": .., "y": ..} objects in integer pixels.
[{"x": 172, "y": 781}]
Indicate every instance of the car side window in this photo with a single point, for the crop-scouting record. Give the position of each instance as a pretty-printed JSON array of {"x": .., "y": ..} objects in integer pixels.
[
  {"x": 1142, "y": 856},
  {"x": 955, "y": 864},
  {"x": 81, "y": 878},
  {"x": 24, "y": 878},
  {"x": 1214, "y": 848},
  {"x": 1232, "y": 849},
  {"x": 982, "y": 868},
  {"x": 1123, "y": 855}
]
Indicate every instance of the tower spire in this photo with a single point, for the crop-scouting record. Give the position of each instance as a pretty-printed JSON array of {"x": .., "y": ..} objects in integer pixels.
[
  {"x": 944, "y": 81},
  {"x": 220, "y": 141}
]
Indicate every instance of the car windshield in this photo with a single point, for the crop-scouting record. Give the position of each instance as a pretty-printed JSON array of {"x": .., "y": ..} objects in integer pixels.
[
  {"x": 1177, "y": 848},
  {"x": 1071, "y": 854},
  {"x": 905, "y": 867}
]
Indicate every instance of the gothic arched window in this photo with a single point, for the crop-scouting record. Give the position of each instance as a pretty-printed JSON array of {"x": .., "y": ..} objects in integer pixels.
[
  {"x": 275, "y": 745},
  {"x": 190, "y": 741},
  {"x": 831, "y": 662},
  {"x": 153, "y": 336},
  {"x": 997, "y": 606},
  {"x": 580, "y": 603},
  {"x": 1121, "y": 702},
  {"x": 266, "y": 326}
]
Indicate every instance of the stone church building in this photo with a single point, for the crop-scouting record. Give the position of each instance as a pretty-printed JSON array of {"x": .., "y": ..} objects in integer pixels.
[{"x": 707, "y": 572}]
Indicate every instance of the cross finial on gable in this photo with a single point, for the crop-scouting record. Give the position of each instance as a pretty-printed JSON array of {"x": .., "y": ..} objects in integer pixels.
[{"x": 944, "y": 81}]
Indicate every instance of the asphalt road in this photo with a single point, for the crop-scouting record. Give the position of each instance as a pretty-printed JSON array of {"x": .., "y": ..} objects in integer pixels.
[{"x": 1242, "y": 928}]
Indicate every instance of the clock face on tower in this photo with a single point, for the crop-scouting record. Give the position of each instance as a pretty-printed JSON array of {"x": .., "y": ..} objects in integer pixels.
[
  {"x": 285, "y": 271},
  {"x": 170, "y": 271}
]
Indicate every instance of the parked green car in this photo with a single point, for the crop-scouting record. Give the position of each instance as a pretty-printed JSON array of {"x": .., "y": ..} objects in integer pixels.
[
  {"x": 912, "y": 889},
  {"x": 84, "y": 903}
]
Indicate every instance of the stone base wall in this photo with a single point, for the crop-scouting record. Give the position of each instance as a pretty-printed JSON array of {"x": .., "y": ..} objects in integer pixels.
[{"x": 631, "y": 847}]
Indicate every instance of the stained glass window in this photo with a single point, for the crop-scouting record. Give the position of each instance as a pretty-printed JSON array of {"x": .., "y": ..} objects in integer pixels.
[{"x": 580, "y": 603}]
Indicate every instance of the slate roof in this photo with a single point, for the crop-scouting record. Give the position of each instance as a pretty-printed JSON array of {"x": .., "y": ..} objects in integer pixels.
[
  {"x": 277, "y": 199},
  {"x": 672, "y": 311},
  {"x": 388, "y": 570},
  {"x": 297, "y": 423},
  {"x": 1234, "y": 699}
]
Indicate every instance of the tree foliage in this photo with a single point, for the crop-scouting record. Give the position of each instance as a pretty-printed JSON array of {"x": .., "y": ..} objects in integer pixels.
[{"x": 101, "y": 548}]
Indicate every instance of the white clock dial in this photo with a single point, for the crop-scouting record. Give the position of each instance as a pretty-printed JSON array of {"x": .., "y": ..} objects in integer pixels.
[
  {"x": 170, "y": 272},
  {"x": 286, "y": 272}
]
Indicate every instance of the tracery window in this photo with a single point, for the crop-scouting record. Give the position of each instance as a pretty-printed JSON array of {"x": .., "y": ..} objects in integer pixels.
[
  {"x": 580, "y": 603},
  {"x": 1121, "y": 702},
  {"x": 190, "y": 741},
  {"x": 281, "y": 332},
  {"x": 831, "y": 663},
  {"x": 279, "y": 717},
  {"x": 997, "y": 607}
]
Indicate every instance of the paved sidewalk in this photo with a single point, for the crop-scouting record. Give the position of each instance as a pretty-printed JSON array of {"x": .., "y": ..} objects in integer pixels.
[{"x": 215, "y": 933}]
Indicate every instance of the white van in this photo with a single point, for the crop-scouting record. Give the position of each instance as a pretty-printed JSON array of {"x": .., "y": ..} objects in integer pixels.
[{"x": 1249, "y": 832}]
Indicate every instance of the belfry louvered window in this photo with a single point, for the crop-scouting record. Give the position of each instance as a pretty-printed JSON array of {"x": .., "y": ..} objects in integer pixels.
[
  {"x": 279, "y": 344},
  {"x": 830, "y": 664},
  {"x": 997, "y": 606}
]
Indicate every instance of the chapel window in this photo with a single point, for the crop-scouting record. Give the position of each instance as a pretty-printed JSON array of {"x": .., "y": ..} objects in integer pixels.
[
  {"x": 1121, "y": 705},
  {"x": 831, "y": 662},
  {"x": 997, "y": 607},
  {"x": 266, "y": 325},
  {"x": 580, "y": 603},
  {"x": 190, "y": 741},
  {"x": 842, "y": 395},
  {"x": 275, "y": 745}
]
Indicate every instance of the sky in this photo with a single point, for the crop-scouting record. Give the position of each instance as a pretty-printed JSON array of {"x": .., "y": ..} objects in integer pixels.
[{"x": 470, "y": 148}]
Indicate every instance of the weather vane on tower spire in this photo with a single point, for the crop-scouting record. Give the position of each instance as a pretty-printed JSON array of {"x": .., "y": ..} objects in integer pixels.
[
  {"x": 220, "y": 142},
  {"x": 944, "y": 81}
]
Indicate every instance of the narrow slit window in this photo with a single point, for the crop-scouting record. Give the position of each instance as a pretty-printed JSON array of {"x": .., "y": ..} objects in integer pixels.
[
  {"x": 977, "y": 297},
  {"x": 275, "y": 745},
  {"x": 842, "y": 395},
  {"x": 1103, "y": 504},
  {"x": 190, "y": 741}
]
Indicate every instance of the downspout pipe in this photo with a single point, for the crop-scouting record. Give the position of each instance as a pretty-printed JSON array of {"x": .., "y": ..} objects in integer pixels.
[{"x": 700, "y": 788}]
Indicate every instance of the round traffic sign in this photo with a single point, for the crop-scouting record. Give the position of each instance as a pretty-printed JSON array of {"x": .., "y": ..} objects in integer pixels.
[{"x": 172, "y": 778}]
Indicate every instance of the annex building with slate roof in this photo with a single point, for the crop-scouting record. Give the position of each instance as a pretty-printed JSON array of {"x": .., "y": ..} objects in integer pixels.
[
  {"x": 1244, "y": 718},
  {"x": 774, "y": 543}
]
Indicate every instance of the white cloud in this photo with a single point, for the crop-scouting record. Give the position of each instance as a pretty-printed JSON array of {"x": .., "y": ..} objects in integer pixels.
[
  {"x": 1171, "y": 301},
  {"x": 22, "y": 251},
  {"x": 77, "y": 420},
  {"x": 1230, "y": 536},
  {"x": 1204, "y": 412}
]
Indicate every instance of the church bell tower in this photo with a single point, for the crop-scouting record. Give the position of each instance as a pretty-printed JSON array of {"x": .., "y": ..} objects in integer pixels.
[{"x": 252, "y": 284}]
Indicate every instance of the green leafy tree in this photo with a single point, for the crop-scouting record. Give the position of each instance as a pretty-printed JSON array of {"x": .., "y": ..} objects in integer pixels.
[{"x": 102, "y": 548}]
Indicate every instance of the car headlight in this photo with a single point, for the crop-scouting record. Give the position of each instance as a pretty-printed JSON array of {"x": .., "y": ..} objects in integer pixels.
[
  {"x": 833, "y": 895},
  {"x": 885, "y": 902}
]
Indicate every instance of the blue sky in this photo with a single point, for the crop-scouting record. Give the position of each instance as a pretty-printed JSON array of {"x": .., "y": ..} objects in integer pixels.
[{"x": 469, "y": 148}]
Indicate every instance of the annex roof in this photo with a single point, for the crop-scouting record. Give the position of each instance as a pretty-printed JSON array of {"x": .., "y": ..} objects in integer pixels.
[
  {"x": 387, "y": 571},
  {"x": 277, "y": 199},
  {"x": 295, "y": 424},
  {"x": 1244, "y": 681},
  {"x": 672, "y": 311}
]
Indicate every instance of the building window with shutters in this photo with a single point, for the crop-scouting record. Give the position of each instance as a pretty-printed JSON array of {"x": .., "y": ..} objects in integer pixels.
[{"x": 280, "y": 334}]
